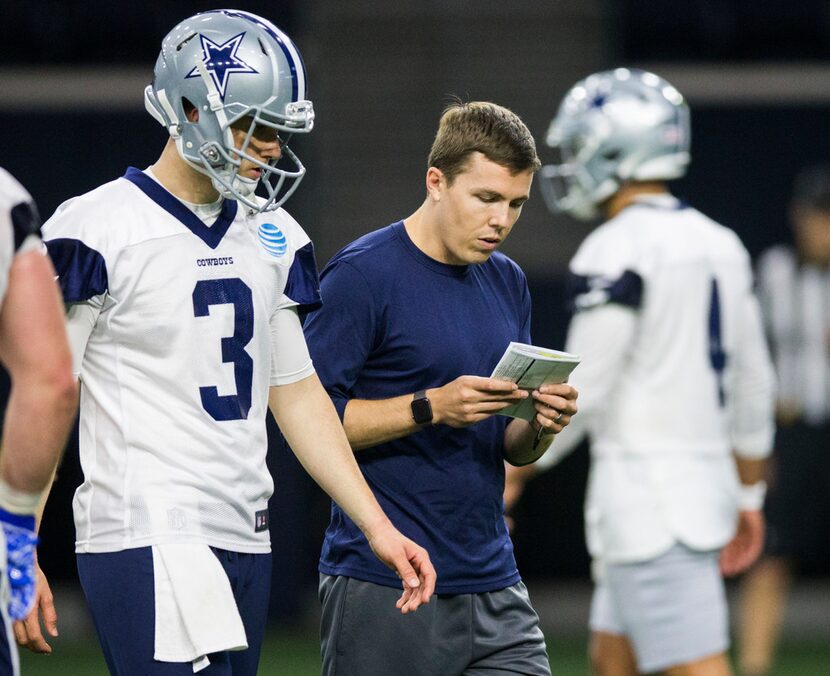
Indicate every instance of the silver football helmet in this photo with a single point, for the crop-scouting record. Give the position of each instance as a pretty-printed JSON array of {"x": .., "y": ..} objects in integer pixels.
[
  {"x": 614, "y": 126},
  {"x": 235, "y": 68}
]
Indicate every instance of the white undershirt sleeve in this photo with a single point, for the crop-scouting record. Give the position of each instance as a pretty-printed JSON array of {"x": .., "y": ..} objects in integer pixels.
[
  {"x": 601, "y": 337},
  {"x": 290, "y": 360},
  {"x": 80, "y": 321},
  {"x": 753, "y": 427}
]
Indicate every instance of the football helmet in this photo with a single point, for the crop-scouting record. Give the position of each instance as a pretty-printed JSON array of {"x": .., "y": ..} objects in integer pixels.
[
  {"x": 614, "y": 126},
  {"x": 236, "y": 69}
]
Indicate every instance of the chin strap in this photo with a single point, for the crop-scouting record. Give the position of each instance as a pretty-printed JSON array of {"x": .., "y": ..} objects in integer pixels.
[
  {"x": 217, "y": 108},
  {"x": 214, "y": 99},
  {"x": 153, "y": 101}
]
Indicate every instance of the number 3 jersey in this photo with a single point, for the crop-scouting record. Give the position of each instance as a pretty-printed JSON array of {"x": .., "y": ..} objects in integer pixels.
[{"x": 177, "y": 366}]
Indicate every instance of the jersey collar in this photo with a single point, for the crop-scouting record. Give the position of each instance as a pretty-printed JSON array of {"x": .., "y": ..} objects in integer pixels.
[
  {"x": 663, "y": 201},
  {"x": 212, "y": 235}
]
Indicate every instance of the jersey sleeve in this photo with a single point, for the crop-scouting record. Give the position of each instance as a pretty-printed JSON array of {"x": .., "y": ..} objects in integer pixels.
[
  {"x": 19, "y": 224},
  {"x": 302, "y": 289},
  {"x": 340, "y": 335},
  {"x": 604, "y": 292},
  {"x": 604, "y": 272},
  {"x": 18, "y": 212},
  {"x": 76, "y": 253}
]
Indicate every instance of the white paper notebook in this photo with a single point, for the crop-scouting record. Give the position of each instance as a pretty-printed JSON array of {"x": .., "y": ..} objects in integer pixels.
[{"x": 530, "y": 367}]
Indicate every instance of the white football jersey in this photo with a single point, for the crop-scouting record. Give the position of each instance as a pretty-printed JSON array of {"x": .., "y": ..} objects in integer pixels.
[
  {"x": 675, "y": 377},
  {"x": 177, "y": 367},
  {"x": 18, "y": 224}
]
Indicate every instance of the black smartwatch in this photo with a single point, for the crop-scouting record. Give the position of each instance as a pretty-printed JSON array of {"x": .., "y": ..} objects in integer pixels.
[{"x": 421, "y": 408}]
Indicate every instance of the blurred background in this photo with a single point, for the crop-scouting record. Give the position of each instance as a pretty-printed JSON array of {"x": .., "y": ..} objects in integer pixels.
[{"x": 757, "y": 78}]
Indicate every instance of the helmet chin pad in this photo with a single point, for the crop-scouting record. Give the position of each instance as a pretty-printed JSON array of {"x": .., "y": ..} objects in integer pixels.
[{"x": 246, "y": 187}]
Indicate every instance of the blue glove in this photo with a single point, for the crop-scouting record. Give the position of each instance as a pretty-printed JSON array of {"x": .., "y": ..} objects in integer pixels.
[{"x": 21, "y": 539}]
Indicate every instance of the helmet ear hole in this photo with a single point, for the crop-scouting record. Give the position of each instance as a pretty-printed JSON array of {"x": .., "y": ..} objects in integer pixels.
[{"x": 191, "y": 112}]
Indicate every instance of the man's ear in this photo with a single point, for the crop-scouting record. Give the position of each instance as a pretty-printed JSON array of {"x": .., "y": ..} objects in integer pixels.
[
  {"x": 436, "y": 183},
  {"x": 191, "y": 112}
]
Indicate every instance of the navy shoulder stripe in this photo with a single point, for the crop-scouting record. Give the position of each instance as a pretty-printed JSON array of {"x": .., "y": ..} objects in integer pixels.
[
  {"x": 587, "y": 291},
  {"x": 303, "y": 285},
  {"x": 82, "y": 271},
  {"x": 25, "y": 221}
]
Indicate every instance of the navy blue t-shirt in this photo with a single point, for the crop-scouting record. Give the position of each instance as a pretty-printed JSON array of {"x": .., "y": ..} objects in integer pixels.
[{"x": 396, "y": 321}]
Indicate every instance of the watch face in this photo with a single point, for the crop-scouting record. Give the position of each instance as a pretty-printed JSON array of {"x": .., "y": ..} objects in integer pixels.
[{"x": 421, "y": 410}]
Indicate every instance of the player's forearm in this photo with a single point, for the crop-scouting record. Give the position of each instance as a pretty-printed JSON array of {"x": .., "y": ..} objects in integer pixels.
[
  {"x": 35, "y": 351},
  {"x": 751, "y": 470},
  {"x": 310, "y": 424},
  {"x": 753, "y": 488},
  {"x": 369, "y": 422},
  {"x": 38, "y": 419}
]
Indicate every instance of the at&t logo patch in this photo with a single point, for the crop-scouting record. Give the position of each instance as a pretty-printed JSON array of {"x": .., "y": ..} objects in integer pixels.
[{"x": 272, "y": 239}]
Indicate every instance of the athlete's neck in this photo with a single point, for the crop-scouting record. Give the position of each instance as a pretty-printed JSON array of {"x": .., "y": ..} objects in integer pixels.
[
  {"x": 629, "y": 193},
  {"x": 181, "y": 180}
]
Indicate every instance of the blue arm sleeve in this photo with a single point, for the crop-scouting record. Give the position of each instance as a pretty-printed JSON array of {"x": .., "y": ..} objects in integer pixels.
[{"x": 341, "y": 334}]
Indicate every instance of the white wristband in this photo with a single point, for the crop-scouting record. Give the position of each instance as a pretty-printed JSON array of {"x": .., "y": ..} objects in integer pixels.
[
  {"x": 751, "y": 497},
  {"x": 17, "y": 502}
]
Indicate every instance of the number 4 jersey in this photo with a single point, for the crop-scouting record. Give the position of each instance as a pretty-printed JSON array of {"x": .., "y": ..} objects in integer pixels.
[{"x": 182, "y": 348}]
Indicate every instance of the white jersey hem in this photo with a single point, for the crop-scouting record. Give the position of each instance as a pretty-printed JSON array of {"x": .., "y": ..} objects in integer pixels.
[{"x": 82, "y": 547}]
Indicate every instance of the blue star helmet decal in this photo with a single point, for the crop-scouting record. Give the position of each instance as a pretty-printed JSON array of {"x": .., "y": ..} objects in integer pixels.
[
  {"x": 221, "y": 61},
  {"x": 599, "y": 101}
]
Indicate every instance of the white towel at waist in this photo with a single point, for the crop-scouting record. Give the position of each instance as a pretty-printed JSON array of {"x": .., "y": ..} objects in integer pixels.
[{"x": 196, "y": 612}]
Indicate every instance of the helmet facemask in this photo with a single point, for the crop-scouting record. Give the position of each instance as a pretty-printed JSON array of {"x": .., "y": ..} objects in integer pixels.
[
  {"x": 571, "y": 185},
  {"x": 279, "y": 176}
]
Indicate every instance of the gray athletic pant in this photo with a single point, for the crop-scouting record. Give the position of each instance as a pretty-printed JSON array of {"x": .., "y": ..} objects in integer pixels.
[{"x": 486, "y": 634}]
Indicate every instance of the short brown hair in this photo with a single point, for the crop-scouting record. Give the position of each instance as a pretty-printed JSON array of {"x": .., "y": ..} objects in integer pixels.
[{"x": 494, "y": 131}]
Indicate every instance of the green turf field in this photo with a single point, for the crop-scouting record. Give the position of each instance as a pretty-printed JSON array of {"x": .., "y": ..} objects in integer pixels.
[{"x": 286, "y": 654}]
